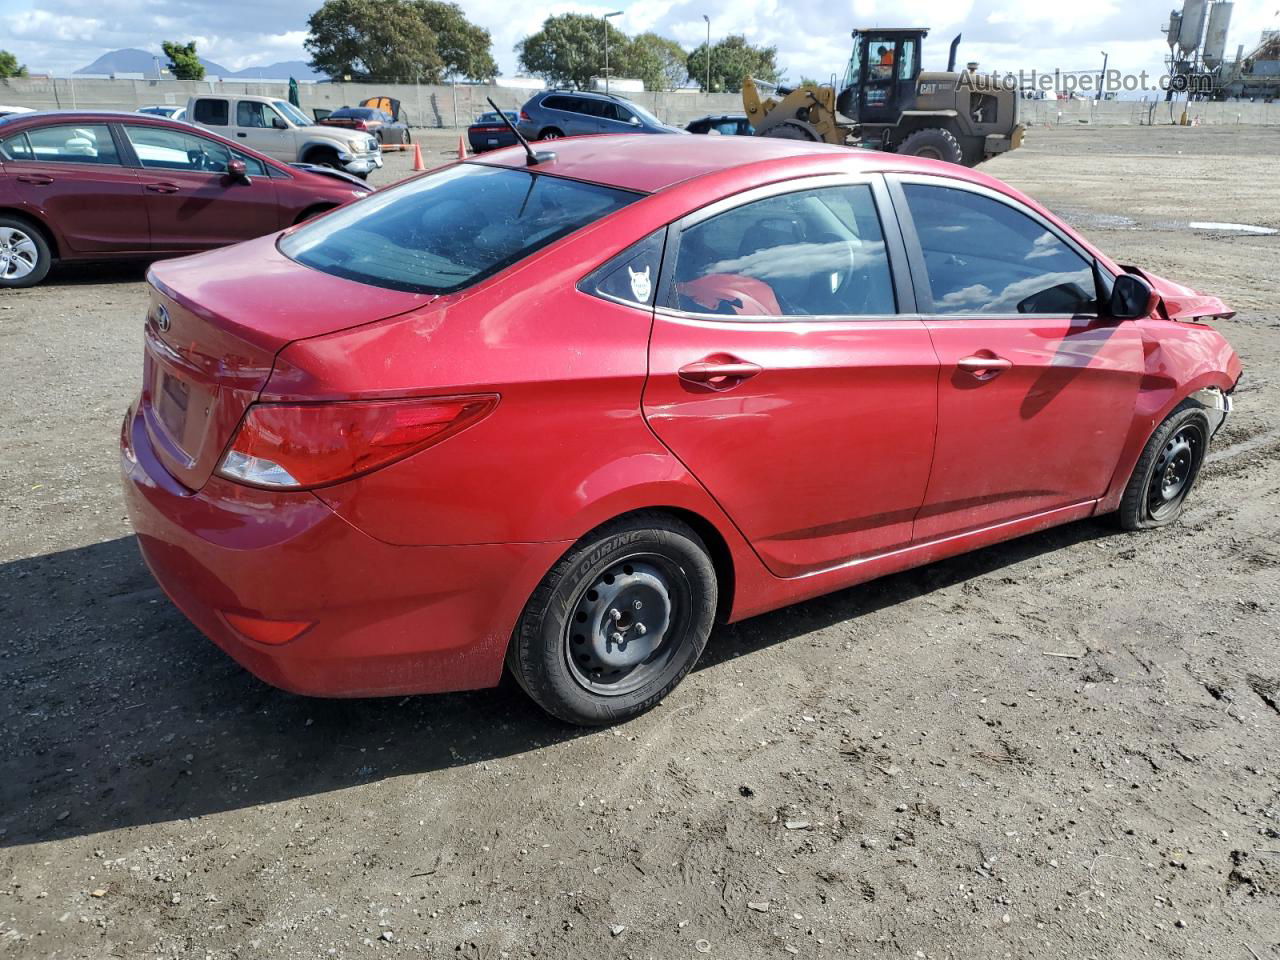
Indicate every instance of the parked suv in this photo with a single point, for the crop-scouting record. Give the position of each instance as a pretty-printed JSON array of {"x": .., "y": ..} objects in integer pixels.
[
  {"x": 280, "y": 130},
  {"x": 551, "y": 114}
]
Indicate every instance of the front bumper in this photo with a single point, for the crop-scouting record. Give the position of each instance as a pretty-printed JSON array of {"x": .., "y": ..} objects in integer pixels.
[
  {"x": 383, "y": 619},
  {"x": 361, "y": 164}
]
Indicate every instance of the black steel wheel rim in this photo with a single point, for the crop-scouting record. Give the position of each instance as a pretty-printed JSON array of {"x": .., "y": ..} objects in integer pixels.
[
  {"x": 1174, "y": 471},
  {"x": 627, "y": 623}
]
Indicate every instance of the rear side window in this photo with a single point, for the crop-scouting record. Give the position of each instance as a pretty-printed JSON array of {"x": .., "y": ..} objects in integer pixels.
[
  {"x": 809, "y": 253},
  {"x": 632, "y": 276},
  {"x": 213, "y": 113},
  {"x": 15, "y": 148},
  {"x": 78, "y": 143},
  {"x": 440, "y": 233},
  {"x": 985, "y": 257},
  {"x": 558, "y": 103}
]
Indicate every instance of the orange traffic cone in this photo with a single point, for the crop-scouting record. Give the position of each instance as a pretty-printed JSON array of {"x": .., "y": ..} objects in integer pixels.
[
  {"x": 462, "y": 148},
  {"x": 417, "y": 158}
]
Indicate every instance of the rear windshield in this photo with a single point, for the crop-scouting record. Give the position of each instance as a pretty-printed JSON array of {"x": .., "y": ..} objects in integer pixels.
[
  {"x": 443, "y": 232},
  {"x": 362, "y": 112}
]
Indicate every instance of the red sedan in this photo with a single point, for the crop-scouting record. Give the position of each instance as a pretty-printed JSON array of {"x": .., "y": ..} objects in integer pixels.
[
  {"x": 100, "y": 186},
  {"x": 564, "y": 411}
]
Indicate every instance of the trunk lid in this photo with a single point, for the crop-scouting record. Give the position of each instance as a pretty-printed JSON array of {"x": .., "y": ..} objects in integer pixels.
[{"x": 216, "y": 322}]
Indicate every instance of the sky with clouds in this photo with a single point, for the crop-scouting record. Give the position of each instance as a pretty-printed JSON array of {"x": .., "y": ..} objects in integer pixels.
[{"x": 812, "y": 36}]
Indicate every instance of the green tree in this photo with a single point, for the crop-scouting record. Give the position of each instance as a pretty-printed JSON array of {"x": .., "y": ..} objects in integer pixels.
[
  {"x": 383, "y": 40},
  {"x": 463, "y": 46},
  {"x": 183, "y": 62},
  {"x": 9, "y": 66},
  {"x": 733, "y": 59},
  {"x": 658, "y": 61},
  {"x": 569, "y": 50}
]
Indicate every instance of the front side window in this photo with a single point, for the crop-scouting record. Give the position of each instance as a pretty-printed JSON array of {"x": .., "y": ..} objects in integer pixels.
[
  {"x": 160, "y": 148},
  {"x": 985, "y": 257},
  {"x": 440, "y": 233},
  {"x": 815, "y": 252},
  {"x": 212, "y": 113},
  {"x": 73, "y": 143}
]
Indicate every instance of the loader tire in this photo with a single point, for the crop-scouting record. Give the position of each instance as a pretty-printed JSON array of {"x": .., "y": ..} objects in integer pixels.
[{"x": 934, "y": 143}]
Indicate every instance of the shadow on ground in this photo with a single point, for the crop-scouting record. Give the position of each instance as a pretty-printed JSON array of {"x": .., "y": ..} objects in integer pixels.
[{"x": 116, "y": 712}]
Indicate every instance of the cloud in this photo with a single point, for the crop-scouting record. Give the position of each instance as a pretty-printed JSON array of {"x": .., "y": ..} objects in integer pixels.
[{"x": 812, "y": 37}]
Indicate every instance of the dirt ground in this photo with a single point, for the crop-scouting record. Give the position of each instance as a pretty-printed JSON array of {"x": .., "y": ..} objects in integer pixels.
[{"x": 1062, "y": 746}]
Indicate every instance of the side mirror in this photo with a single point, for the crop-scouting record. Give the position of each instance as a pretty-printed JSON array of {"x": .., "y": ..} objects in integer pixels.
[
  {"x": 1131, "y": 298},
  {"x": 278, "y": 124},
  {"x": 237, "y": 170}
]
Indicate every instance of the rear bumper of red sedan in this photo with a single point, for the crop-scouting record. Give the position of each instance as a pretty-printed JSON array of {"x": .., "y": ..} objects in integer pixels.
[{"x": 307, "y": 602}]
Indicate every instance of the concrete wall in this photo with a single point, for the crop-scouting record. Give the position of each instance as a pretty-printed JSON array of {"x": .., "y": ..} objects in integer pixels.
[
  {"x": 426, "y": 105},
  {"x": 1121, "y": 112},
  {"x": 445, "y": 106}
]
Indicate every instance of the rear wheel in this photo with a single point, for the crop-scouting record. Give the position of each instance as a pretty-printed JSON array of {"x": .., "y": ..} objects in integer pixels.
[
  {"x": 551, "y": 133},
  {"x": 934, "y": 143},
  {"x": 1167, "y": 470},
  {"x": 25, "y": 256},
  {"x": 618, "y": 622}
]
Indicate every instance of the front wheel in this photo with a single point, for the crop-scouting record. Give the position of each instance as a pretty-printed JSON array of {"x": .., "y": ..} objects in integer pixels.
[
  {"x": 617, "y": 622},
  {"x": 934, "y": 143},
  {"x": 1167, "y": 470},
  {"x": 25, "y": 256}
]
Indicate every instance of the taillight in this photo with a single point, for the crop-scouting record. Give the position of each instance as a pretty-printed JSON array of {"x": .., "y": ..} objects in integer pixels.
[
  {"x": 361, "y": 125},
  {"x": 524, "y": 116},
  {"x": 293, "y": 446}
]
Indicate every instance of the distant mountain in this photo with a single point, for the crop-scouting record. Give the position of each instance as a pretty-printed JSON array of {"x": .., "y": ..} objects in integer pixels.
[
  {"x": 297, "y": 69},
  {"x": 133, "y": 60}
]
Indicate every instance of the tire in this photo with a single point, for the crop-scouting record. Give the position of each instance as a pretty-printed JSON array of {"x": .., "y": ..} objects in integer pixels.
[
  {"x": 406, "y": 139},
  {"x": 310, "y": 212},
  {"x": 649, "y": 579},
  {"x": 794, "y": 130},
  {"x": 935, "y": 143},
  {"x": 25, "y": 257},
  {"x": 551, "y": 133},
  {"x": 324, "y": 158},
  {"x": 1167, "y": 470}
]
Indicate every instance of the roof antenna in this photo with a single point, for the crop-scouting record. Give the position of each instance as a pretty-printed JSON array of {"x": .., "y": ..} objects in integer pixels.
[{"x": 533, "y": 159}]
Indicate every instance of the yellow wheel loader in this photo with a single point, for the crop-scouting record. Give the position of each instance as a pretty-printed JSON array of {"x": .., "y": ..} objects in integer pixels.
[{"x": 888, "y": 103}]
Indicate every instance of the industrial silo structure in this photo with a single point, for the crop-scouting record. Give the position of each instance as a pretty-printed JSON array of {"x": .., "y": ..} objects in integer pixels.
[
  {"x": 1192, "y": 27},
  {"x": 1215, "y": 38}
]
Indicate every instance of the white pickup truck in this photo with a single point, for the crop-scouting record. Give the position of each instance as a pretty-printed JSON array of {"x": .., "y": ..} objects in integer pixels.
[{"x": 280, "y": 130}]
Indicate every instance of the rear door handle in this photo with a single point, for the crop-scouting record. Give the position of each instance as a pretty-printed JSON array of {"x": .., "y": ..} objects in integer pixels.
[
  {"x": 980, "y": 366},
  {"x": 39, "y": 178},
  {"x": 241, "y": 134},
  {"x": 719, "y": 372},
  {"x": 164, "y": 187}
]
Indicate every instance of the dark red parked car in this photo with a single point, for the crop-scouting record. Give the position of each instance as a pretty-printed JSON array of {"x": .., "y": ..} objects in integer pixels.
[
  {"x": 97, "y": 186},
  {"x": 562, "y": 415}
]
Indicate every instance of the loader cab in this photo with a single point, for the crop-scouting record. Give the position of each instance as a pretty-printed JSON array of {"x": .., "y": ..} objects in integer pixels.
[{"x": 880, "y": 81}]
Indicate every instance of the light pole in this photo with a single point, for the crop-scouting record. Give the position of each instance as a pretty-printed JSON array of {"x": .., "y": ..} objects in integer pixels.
[
  {"x": 708, "y": 19},
  {"x": 616, "y": 13},
  {"x": 1102, "y": 76}
]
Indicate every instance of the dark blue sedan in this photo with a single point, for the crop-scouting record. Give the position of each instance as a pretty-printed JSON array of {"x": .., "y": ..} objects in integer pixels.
[{"x": 490, "y": 133}]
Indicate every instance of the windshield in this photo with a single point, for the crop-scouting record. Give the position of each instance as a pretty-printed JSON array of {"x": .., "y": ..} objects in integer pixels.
[
  {"x": 443, "y": 232},
  {"x": 293, "y": 113}
]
